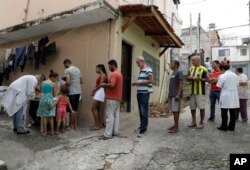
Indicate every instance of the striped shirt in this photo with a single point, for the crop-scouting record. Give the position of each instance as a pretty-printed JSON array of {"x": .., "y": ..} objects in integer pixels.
[
  {"x": 197, "y": 87},
  {"x": 145, "y": 72}
]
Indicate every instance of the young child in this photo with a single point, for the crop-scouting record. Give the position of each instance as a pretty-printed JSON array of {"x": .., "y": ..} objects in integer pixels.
[{"x": 61, "y": 109}]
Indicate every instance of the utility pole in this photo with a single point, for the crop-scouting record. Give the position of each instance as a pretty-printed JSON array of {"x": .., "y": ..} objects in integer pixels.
[
  {"x": 198, "y": 33},
  {"x": 191, "y": 33}
]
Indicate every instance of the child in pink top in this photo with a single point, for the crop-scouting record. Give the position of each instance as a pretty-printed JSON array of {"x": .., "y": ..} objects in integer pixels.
[{"x": 61, "y": 109}]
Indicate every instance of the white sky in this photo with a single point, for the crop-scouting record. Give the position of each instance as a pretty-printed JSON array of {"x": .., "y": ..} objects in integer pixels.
[{"x": 224, "y": 13}]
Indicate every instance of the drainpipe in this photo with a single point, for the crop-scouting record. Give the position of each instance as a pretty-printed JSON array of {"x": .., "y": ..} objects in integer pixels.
[{"x": 26, "y": 11}]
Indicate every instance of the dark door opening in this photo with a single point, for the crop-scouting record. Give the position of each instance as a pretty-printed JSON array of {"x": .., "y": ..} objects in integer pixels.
[{"x": 126, "y": 69}]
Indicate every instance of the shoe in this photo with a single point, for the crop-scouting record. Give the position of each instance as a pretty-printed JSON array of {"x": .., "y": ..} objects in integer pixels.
[
  {"x": 14, "y": 130},
  {"x": 23, "y": 132},
  {"x": 211, "y": 119},
  {"x": 104, "y": 138},
  {"x": 137, "y": 130},
  {"x": 142, "y": 133},
  {"x": 222, "y": 129},
  {"x": 244, "y": 121},
  {"x": 230, "y": 129}
]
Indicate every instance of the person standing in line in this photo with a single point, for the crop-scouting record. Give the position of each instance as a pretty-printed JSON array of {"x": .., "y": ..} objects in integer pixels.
[
  {"x": 73, "y": 81},
  {"x": 16, "y": 98},
  {"x": 243, "y": 95},
  {"x": 208, "y": 65},
  {"x": 214, "y": 91},
  {"x": 45, "y": 109},
  {"x": 229, "y": 98},
  {"x": 175, "y": 94},
  {"x": 197, "y": 78},
  {"x": 144, "y": 88},
  {"x": 99, "y": 97},
  {"x": 113, "y": 96}
]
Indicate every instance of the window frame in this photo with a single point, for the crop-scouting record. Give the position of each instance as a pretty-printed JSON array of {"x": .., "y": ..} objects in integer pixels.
[{"x": 154, "y": 63}]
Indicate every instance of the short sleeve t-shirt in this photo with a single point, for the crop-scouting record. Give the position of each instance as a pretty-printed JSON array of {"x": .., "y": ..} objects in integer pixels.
[
  {"x": 74, "y": 75},
  {"x": 198, "y": 87},
  {"x": 115, "y": 93},
  {"x": 243, "y": 94},
  {"x": 174, "y": 83},
  {"x": 143, "y": 76},
  {"x": 215, "y": 75}
]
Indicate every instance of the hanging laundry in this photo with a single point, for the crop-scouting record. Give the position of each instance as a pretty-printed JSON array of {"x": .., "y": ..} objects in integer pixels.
[
  {"x": 41, "y": 52},
  {"x": 2, "y": 68},
  {"x": 20, "y": 58},
  {"x": 11, "y": 61},
  {"x": 8, "y": 53},
  {"x": 50, "y": 49},
  {"x": 31, "y": 53}
]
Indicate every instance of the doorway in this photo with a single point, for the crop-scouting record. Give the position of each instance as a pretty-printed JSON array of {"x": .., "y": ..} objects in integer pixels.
[{"x": 126, "y": 69}]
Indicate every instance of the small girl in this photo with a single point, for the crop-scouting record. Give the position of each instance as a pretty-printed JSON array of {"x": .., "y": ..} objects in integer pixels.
[{"x": 61, "y": 109}]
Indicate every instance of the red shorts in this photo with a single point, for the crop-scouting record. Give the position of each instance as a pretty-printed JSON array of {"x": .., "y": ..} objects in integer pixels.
[{"x": 61, "y": 113}]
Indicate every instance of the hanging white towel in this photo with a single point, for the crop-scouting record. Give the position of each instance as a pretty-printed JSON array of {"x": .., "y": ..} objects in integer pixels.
[{"x": 7, "y": 53}]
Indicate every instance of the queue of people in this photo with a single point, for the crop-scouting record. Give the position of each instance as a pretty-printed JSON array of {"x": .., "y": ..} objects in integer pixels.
[{"x": 228, "y": 88}]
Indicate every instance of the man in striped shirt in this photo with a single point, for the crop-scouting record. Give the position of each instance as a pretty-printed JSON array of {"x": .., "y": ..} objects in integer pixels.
[
  {"x": 144, "y": 88},
  {"x": 197, "y": 78}
]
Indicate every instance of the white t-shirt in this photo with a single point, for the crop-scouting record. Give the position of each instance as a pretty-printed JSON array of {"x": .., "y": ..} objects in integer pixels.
[
  {"x": 243, "y": 94},
  {"x": 74, "y": 75}
]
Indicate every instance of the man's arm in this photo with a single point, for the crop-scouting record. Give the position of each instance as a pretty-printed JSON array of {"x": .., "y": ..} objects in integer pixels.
[{"x": 81, "y": 80}]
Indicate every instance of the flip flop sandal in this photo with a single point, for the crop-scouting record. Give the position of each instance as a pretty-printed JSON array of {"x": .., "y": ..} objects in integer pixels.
[
  {"x": 171, "y": 128},
  {"x": 200, "y": 127},
  {"x": 94, "y": 128},
  {"x": 192, "y": 125},
  {"x": 173, "y": 131}
]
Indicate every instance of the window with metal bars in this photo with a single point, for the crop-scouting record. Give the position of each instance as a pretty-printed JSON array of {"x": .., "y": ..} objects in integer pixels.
[{"x": 155, "y": 65}]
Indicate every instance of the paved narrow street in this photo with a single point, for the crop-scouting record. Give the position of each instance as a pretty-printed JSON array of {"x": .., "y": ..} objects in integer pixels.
[{"x": 189, "y": 149}]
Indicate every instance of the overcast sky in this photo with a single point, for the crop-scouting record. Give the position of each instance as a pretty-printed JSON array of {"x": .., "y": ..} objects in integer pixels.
[{"x": 224, "y": 13}]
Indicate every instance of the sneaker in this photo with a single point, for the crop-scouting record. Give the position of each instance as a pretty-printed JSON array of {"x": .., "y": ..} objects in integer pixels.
[
  {"x": 211, "y": 119},
  {"x": 137, "y": 130},
  {"x": 142, "y": 133},
  {"x": 104, "y": 138}
]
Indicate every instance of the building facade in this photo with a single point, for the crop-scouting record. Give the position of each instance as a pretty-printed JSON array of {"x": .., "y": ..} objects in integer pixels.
[
  {"x": 239, "y": 56},
  {"x": 91, "y": 32}
]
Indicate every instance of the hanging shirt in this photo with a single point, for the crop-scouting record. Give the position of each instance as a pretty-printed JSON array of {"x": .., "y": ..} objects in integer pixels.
[
  {"x": 198, "y": 87},
  {"x": 8, "y": 53},
  {"x": 145, "y": 72},
  {"x": 243, "y": 94},
  {"x": 229, "y": 98}
]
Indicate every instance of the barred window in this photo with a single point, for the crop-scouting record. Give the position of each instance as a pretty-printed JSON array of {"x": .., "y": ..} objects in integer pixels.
[{"x": 155, "y": 65}]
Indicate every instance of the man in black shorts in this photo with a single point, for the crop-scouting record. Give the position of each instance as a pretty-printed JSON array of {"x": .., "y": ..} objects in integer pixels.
[{"x": 73, "y": 81}]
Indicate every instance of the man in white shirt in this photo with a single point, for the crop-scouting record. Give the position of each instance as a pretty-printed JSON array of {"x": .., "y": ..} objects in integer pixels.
[{"x": 243, "y": 95}]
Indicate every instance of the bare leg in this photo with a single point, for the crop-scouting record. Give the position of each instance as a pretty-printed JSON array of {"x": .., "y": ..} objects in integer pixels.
[
  {"x": 202, "y": 115},
  {"x": 72, "y": 120},
  {"x": 64, "y": 125},
  {"x": 58, "y": 123},
  {"x": 95, "y": 113},
  {"x": 51, "y": 122},
  {"x": 176, "y": 121},
  {"x": 193, "y": 117},
  {"x": 44, "y": 126}
]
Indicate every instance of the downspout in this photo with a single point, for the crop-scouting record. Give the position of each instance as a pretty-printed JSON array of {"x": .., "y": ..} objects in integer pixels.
[{"x": 26, "y": 10}]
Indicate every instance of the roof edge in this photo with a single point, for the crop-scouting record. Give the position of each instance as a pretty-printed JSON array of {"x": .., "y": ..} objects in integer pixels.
[{"x": 67, "y": 13}]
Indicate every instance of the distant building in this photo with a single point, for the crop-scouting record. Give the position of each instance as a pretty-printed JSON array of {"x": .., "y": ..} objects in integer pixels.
[{"x": 239, "y": 56}]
